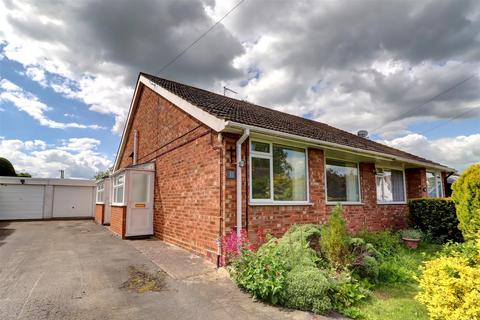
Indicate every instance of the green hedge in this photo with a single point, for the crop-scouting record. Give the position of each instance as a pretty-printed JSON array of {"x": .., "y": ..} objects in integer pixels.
[{"x": 437, "y": 218}]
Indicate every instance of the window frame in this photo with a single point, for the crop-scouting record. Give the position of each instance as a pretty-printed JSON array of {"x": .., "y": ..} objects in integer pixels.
[
  {"x": 102, "y": 190},
  {"x": 404, "y": 185},
  {"x": 116, "y": 186},
  {"x": 436, "y": 174},
  {"x": 269, "y": 156},
  {"x": 353, "y": 203}
]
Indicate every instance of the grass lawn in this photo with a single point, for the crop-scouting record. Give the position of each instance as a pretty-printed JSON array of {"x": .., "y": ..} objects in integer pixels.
[{"x": 395, "y": 300}]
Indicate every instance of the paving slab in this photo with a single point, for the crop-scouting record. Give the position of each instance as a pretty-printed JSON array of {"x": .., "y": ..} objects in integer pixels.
[{"x": 177, "y": 262}]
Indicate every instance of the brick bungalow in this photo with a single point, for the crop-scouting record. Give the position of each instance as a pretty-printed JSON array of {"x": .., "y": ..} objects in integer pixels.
[{"x": 221, "y": 163}]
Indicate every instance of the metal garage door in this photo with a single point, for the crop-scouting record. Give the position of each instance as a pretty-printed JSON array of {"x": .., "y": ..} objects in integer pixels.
[
  {"x": 21, "y": 202},
  {"x": 72, "y": 202}
]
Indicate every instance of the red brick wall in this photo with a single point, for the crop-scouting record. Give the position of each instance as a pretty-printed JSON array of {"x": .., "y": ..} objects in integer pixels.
[
  {"x": 187, "y": 182},
  {"x": 194, "y": 201},
  {"x": 161, "y": 126},
  {"x": 99, "y": 212},
  {"x": 118, "y": 220},
  {"x": 277, "y": 219},
  {"x": 371, "y": 215},
  {"x": 416, "y": 183}
]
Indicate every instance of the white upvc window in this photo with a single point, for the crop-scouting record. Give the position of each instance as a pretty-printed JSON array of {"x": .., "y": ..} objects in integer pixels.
[
  {"x": 342, "y": 180},
  {"x": 100, "y": 192},
  {"x": 118, "y": 189},
  {"x": 434, "y": 184},
  {"x": 390, "y": 186},
  {"x": 278, "y": 174}
]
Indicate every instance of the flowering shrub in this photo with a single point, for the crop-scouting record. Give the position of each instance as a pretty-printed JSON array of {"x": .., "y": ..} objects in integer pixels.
[
  {"x": 451, "y": 287},
  {"x": 262, "y": 273},
  {"x": 233, "y": 244}
]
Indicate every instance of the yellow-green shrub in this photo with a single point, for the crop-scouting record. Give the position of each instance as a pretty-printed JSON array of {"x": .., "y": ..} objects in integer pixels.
[
  {"x": 450, "y": 288},
  {"x": 466, "y": 195}
]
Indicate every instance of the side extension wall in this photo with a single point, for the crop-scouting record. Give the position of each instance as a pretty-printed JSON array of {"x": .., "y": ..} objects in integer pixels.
[{"x": 187, "y": 181}]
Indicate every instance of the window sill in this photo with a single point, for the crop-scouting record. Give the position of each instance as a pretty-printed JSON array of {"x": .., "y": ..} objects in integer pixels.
[
  {"x": 99, "y": 202},
  {"x": 293, "y": 203},
  {"x": 345, "y": 203},
  {"x": 396, "y": 202},
  {"x": 118, "y": 204}
]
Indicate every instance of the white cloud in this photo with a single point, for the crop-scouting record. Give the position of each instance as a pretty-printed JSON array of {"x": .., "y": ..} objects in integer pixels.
[
  {"x": 37, "y": 74},
  {"x": 364, "y": 74},
  {"x": 30, "y": 104},
  {"x": 79, "y": 144},
  {"x": 77, "y": 156},
  {"x": 458, "y": 152},
  {"x": 97, "y": 48},
  {"x": 35, "y": 144}
]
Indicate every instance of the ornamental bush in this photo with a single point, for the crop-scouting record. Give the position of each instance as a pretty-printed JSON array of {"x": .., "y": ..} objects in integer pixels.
[
  {"x": 307, "y": 288},
  {"x": 296, "y": 246},
  {"x": 262, "y": 273},
  {"x": 466, "y": 195},
  {"x": 436, "y": 218},
  {"x": 364, "y": 259},
  {"x": 450, "y": 289}
]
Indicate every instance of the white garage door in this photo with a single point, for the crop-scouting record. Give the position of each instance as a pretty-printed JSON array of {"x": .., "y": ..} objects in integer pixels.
[
  {"x": 21, "y": 202},
  {"x": 72, "y": 202}
]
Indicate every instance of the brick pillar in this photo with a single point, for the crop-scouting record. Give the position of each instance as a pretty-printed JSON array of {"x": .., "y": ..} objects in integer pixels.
[
  {"x": 416, "y": 183},
  {"x": 99, "y": 213},
  {"x": 118, "y": 220}
]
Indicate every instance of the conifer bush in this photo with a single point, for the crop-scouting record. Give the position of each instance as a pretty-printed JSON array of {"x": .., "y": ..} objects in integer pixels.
[
  {"x": 334, "y": 239},
  {"x": 466, "y": 195}
]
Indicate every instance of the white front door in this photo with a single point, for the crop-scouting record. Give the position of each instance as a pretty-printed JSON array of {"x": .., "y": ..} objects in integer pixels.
[{"x": 140, "y": 204}]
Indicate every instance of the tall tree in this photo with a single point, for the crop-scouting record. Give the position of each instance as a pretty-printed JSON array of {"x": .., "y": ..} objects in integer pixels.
[{"x": 6, "y": 168}]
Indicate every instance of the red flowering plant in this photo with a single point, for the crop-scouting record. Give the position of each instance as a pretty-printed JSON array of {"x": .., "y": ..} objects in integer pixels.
[{"x": 233, "y": 245}]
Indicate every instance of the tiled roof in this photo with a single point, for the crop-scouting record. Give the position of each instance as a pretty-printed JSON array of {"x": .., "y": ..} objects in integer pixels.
[{"x": 254, "y": 115}]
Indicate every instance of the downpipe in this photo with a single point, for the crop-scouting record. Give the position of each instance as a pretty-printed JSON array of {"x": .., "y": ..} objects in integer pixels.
[{"x": 239, "y": 165}]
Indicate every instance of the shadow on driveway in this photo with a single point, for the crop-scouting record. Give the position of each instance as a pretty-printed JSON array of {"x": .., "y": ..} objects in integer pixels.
[{"x": 4, "y": 231}]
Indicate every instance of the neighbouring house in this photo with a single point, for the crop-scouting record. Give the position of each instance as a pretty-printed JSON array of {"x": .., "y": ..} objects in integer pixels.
[{"x": 192, "y": 165}]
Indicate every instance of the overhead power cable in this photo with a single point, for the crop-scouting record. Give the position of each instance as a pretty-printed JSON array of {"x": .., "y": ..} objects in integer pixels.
[
  {"x": 181, "y": 53},
  {"x": 415, "y": 109},
  {"x": 449, "y": 120}
]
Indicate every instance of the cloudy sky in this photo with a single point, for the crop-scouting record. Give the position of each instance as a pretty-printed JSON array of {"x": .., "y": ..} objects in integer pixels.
[{"x": 68, "y": 68}]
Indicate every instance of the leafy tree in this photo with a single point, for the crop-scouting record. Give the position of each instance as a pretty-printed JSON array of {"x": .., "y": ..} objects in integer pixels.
[
  {"x": 103, "y": 174},
  {"x": 466, "y": 195},
  {"x": 24, "y": 174},
  {"x": 6, "y": 168}
]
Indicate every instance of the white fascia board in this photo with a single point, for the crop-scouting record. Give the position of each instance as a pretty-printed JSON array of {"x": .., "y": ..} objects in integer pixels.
[
  {"x": 127, "y": 125},
  {"x": 48, "y": 181},
  {"x": 211, "y": 121},
  {"x": 335, "y": 146}
]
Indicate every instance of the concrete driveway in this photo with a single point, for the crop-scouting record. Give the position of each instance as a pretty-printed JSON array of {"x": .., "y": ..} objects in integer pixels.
[{"x": 79, "y": 270}]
